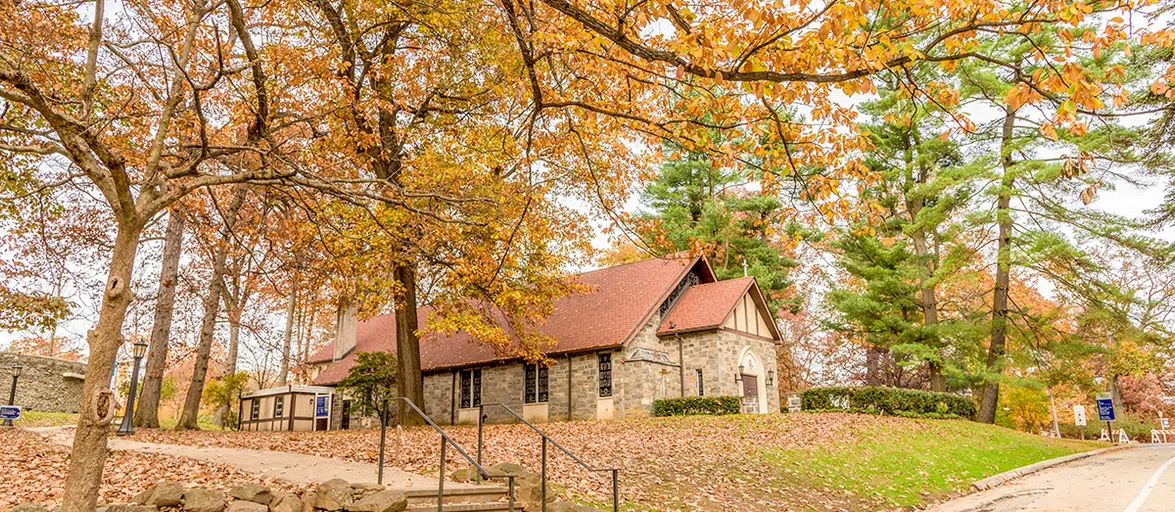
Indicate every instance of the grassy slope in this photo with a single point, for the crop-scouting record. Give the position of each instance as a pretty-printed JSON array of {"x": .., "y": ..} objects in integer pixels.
[
  {"x": 747, "y": 463},
  {"x": 45, "y": 419},
  {"x": 920, "y": 461}
]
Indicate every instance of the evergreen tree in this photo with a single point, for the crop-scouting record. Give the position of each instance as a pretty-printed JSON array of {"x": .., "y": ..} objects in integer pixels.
[
  {"x": 722, "y": 212},
  {"x": 900, "y": 261}
]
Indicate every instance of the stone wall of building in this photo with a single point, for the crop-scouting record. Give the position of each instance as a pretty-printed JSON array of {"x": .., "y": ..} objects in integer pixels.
[
  {"x": 636, "y": 383},
  {"x": 717, "y": 353},
  {"x": 46, "y": 384}
]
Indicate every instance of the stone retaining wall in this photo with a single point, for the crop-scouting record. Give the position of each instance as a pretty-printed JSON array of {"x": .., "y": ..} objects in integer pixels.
[{"x": 46, "y": 384}]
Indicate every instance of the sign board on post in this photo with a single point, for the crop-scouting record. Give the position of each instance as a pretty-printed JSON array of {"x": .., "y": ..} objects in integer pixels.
[
  {"x": 1166, "y": 423},
  {"x": 1105, "y": 407},
  {"x": 1079, "y": 415},
  {"x": 9, "y": 412},
  {"x": 322, "y": 406}
]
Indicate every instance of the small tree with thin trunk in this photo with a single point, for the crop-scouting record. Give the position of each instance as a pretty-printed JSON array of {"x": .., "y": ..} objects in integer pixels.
[{"x": 371, "y": 384}]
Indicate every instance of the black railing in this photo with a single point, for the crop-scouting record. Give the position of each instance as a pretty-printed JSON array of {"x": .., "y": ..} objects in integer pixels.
[
  {"x": 547, "y": 440},
  {"x": 445, "y": 441}
]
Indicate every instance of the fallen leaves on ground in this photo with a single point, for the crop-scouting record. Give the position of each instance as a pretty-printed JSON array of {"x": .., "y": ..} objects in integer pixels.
[
  {"x": 34, "y": 469},
  {"x": 685, "y": 463}
]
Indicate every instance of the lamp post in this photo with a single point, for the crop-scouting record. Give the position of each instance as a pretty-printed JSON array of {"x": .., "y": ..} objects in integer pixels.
[
  {"x": 127, "y": 427},
  {"x": 15, "y": 369}
]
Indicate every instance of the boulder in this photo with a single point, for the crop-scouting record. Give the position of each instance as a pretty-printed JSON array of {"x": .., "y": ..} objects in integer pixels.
[
  {"x": 506, "y": 468},
  {"x": 528, "y": 491},
  {"x": 28, "y": 507},
  {"x": 164, "y": 493},
  {"x": 568, "y": 506},
  {"x": 333, "y": 495},
  {"x": 286, "y": 502},
  {"x": 125, "y": 508},
  {"x": 246, "y": 506},
  {"x": 465, "y": 475},
  {"x": 199, "y": 499},
  {"x": 382, "y": 501},
  {"x": 364, "y": 489},
  {"x": 256, "y": 493}
]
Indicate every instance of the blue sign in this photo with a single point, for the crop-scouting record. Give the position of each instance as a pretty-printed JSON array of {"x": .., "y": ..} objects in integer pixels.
[
  {"x": 1105, "y": 407},
  {"x": 9, "y": 412},
  {"x": 321, "y": 409}
]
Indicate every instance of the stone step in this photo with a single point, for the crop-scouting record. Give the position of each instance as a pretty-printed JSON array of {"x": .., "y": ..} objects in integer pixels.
[
  {"x": 486, "y": 506},
  {"x": 477, "y": 494}
]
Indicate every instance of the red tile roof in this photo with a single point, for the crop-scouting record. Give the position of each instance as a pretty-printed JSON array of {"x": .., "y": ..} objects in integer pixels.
[
  {"x": 704, "y": 306},
  {"x": 620, "y": 301}
]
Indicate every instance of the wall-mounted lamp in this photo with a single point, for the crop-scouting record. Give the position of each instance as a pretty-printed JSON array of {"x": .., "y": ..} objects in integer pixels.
[{"x": 770, "y": 377}]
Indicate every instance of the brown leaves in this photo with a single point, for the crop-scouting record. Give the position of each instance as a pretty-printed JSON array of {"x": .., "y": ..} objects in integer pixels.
[
  {"x": 35, "y": 469},
  {"x": 683, "y": 463}
]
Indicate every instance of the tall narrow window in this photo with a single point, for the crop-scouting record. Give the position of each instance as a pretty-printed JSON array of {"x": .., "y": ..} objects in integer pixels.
[
  {"x": 279, "y": 406},
  {"x": 537, "y": 380},
  {"x": 256, "y": 411},
  {"x": 701, "y": 387},
  {"x": 470, "y": 388},
  {"x": 605, "y": 374}
]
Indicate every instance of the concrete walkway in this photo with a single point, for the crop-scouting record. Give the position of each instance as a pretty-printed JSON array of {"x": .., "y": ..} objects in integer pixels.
[{"x": 291, "y": 467}]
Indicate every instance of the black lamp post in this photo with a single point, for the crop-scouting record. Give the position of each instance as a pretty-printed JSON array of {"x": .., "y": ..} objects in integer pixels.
[
  {"x": 127, "y": 427},
  {"x": 15, "y": 369}
]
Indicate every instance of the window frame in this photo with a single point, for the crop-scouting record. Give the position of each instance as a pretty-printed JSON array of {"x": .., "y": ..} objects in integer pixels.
[
  {"x": 701, "y": 383},
  {"x": 602, "y": 359},
  {"x": 536, "y": 384},
  {"x": 470, "y": 394},
  {"x": 255, "y": 410},
  {"x": 279, "y": 406}
]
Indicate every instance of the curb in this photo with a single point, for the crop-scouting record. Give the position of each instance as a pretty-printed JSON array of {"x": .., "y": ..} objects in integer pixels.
[{"x": 995, "y": 480}]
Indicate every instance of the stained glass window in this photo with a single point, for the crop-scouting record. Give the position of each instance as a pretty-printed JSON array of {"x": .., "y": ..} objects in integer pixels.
[
  {"x": 470, "y": 388},
  {"x": 605, "y": 374},
  {"x": 537, "y": 380}
]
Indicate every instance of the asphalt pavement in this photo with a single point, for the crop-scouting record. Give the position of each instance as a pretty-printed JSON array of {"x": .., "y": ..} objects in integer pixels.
[{"x": 1140, "y": 479}]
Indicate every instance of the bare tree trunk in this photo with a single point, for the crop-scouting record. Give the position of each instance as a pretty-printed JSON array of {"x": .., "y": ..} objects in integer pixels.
[
  {"x": 411, "y": 382},
  {"x": 284, "y": 374},
  {"x": 191, "y": 412},
  {"x": 88, "y": 455},
  {"x": 999, "y": 309},
  {"x": 189, "y": 418},
  {"x": 147, "y": 410},
  {"x": 873, "y": 365},
  {"x": 230, "y": 365}
]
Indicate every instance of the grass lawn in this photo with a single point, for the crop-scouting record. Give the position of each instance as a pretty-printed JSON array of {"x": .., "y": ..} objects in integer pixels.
[
  {"x": 45, "y": 419},
  {"x": 921, "y": 461}
]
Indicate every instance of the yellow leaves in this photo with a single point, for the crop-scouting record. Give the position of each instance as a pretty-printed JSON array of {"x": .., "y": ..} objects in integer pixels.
[
  {"x": 1019, "y": 95},
  {"x": 1048, "y": 130}
]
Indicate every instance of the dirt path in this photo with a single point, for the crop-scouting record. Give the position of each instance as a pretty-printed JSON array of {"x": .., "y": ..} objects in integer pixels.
[
  {"x": 292, "y": 467},
  {"x": 1136, "y": 480}
]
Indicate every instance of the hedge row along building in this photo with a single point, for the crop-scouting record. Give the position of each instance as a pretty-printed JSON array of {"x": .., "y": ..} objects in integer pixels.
[{"x": 657, "y": 328}]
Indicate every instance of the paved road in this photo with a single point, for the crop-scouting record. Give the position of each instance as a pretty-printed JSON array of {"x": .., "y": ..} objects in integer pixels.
[
  {"x": 293, "y": 467},
  {"x": 1135, "y": 480}
]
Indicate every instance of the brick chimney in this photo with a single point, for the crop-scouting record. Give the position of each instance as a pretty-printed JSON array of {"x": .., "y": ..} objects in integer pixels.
[{"x": 345, "y": 328}]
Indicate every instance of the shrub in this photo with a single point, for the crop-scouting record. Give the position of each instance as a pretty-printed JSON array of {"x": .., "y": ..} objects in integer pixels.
[
  {"x": 890, "y": 401},
  {"x": 692, "y": 405}
]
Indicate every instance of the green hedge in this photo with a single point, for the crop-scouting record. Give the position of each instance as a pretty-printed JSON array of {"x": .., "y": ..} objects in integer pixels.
[
  {"x": 691, "y": 405},
  {"x": 892, "y": 401}
]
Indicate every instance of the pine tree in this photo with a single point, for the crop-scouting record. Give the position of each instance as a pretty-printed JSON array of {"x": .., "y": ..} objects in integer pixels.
[{"x": 723, "y": 213}]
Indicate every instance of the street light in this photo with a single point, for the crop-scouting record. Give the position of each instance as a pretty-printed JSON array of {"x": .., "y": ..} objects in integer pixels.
[
  {"x": 15, "y": 369},
  {"x": 127, "y": 427}
]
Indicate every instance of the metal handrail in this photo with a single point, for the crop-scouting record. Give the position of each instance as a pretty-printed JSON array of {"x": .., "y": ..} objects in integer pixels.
[
  {"x": 547, "y": 439},
  {"x": 445, "y": 440}
]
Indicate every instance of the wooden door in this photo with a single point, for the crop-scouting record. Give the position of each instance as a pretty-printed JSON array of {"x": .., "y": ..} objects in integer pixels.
[{"x": 750, "y": 394}]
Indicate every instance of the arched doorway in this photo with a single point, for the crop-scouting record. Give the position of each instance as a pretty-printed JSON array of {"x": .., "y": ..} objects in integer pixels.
[{"x": 754, "y": 386}]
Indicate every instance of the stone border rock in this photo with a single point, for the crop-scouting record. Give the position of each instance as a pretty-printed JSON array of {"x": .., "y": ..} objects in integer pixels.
[{"x": 1002, "y": 478}]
